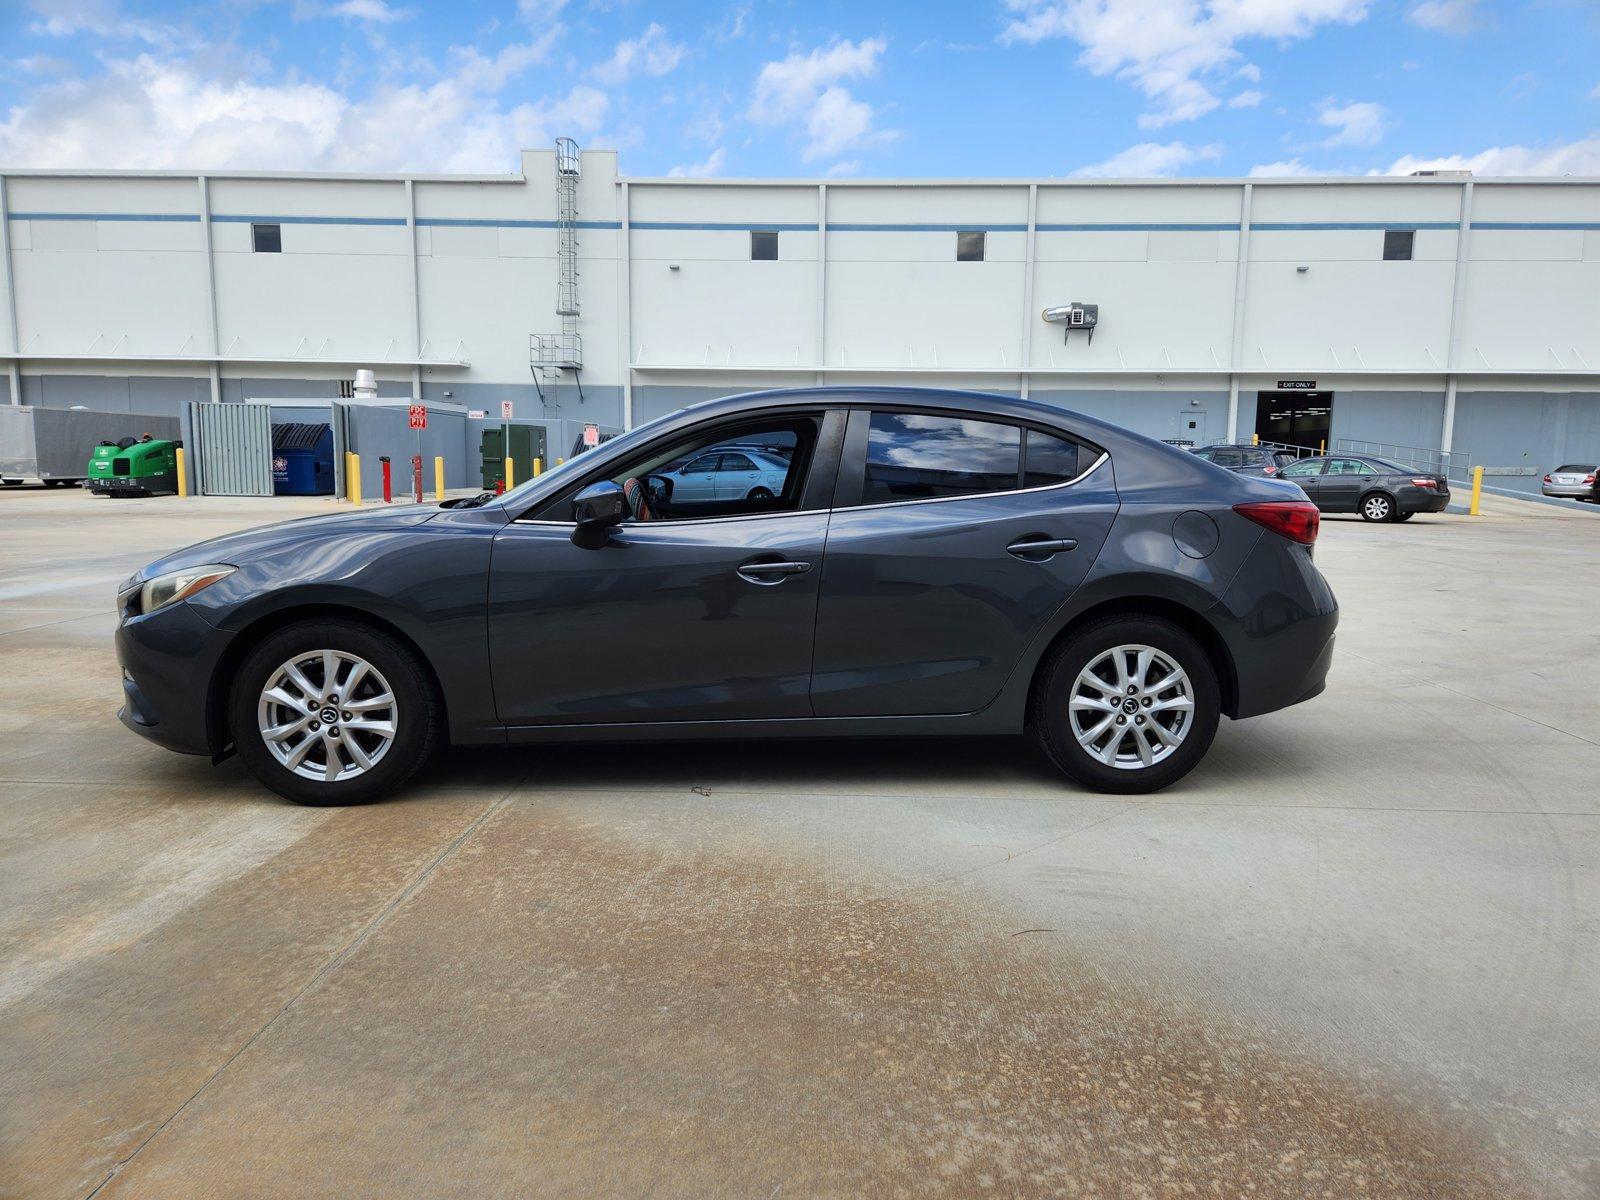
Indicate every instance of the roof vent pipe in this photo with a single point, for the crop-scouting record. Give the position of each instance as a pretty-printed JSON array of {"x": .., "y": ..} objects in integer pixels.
[{"x": 366, "y": 388}]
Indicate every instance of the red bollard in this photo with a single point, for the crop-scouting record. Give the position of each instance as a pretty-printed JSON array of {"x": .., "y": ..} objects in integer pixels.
[
  {"x": 499, "y": 487},
  {"x": 416, "y": 476},
  {"x": 388, "y": 483}
]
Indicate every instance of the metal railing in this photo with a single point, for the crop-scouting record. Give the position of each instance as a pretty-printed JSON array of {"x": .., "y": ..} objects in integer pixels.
[{"x": 1423, "y": 458}]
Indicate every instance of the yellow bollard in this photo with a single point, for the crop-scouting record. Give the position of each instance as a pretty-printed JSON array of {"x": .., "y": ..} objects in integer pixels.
[
  {"x": 538, "y": 467},
  {"x": 352, "y": 476},
  {"x": 1255, "y": 439},
  {"x": 1322, "y": 446},
  {"x": 438, "y": 479},
  {"x": 560, "y": 462},
  {"x": 510, "y": 475},
  {"x": 1477, "y": 492},
  {"x": 183, "y": 473}
]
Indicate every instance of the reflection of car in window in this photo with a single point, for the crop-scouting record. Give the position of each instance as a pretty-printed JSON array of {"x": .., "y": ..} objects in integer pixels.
[{"x": 728, "y": 475}]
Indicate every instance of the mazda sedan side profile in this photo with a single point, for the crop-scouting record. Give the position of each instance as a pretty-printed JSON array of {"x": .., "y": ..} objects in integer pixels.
[{"x": 930, "y": 563}]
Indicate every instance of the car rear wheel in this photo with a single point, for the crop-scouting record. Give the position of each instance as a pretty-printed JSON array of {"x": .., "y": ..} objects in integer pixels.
[
  {"x": 759, "y": 493},
  {"x": 333, "y": 712},
  {"x": 1126, "y": 705},
  {"x": 1375, "y": 506}
]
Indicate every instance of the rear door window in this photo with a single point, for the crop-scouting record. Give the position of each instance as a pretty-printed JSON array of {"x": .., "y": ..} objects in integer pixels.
[
  {"x": 1227, "y": 458},
  {"x": 916, "y": 456}
]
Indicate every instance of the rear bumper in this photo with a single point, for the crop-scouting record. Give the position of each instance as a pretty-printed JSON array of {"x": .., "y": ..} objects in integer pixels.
[
  {"x": 1423, "y": 500},
  {"x": 168, "y": 660},
  {"x": 1278, "y": 621},
  {"x": 1570, "y": 491}
]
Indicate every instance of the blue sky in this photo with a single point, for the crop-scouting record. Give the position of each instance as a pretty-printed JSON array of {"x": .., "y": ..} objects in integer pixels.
[{"x": 767, "y": 88}]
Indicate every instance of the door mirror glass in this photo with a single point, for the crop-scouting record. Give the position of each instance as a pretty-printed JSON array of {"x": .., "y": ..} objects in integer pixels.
[{"x": 599, "y": 505}]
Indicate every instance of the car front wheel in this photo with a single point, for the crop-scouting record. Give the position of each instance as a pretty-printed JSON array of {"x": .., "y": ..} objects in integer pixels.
[
  {"x": 1126, "y": 705},
  {"x": 333, "y": 712},
  {"x": 1377, "y": 507}
]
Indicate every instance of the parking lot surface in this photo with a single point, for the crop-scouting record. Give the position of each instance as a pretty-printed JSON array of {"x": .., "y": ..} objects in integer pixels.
[{"x": 1355, "y": 953}]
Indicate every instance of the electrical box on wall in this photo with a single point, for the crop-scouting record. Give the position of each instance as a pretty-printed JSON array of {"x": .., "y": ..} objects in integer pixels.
[{"x": 1076, "y": 315}]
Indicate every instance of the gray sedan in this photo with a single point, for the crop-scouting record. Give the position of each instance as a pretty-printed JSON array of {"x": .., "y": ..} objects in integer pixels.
[{"x": 931, "y": 563}]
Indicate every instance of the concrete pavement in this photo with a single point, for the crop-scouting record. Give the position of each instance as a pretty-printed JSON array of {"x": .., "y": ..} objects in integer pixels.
[{"x": 1355, "y": 953}]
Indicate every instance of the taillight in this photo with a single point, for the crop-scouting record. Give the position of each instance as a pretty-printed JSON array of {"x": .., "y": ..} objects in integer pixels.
[
  {"x": 1424, "y": 483},
  {"x": 1297, "y": 520},
  {"x": 1547, "y": 479},
  {"x": 1270, "y": 469},
  {"x": 1588, "y": 478}
]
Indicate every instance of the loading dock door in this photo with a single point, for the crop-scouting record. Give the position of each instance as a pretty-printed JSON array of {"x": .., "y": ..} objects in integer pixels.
[
  {"x": 233, "y": 448},
  {"x": 1295, "y": 418}
]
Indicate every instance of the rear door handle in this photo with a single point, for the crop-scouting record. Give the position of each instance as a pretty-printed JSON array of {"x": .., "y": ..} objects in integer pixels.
[
  {"x": 1039, "y": 549},
  {"x": 769, "y": 573}
]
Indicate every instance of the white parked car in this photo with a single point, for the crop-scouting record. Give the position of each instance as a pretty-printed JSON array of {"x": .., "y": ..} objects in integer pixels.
[{"x": 727, "y": 474}]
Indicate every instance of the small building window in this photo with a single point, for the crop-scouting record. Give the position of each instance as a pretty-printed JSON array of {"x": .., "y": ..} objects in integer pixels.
[
  {"x": 969, "y": 245},
  {"x": 1397, "y": 244},
  {"x": 267, "y": 239},
  {"x": 764, "y": 245}
]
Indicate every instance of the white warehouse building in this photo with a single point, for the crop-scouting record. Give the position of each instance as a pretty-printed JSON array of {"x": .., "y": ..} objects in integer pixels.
[{"x": 1445, "y": 312}]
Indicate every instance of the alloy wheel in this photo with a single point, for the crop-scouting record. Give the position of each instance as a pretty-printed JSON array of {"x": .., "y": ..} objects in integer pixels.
[
  {"x": 1131, "y": 707},
  {"x": 1376, "y": 508},
  {"x": 327, "y": 715}
]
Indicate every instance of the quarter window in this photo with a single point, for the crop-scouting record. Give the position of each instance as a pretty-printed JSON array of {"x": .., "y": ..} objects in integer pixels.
[
  {"x": 764, "y": 245},
  {"x": 1051, "y": 459},
  {"x": 1397, "y": 244},
  {"x": 911, "y": 456},
  {"x": 266, "y": 239},
  {"x": 970, "y": 245}
]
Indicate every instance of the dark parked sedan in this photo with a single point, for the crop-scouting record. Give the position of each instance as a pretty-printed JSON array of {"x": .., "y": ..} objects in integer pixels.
[
  {"x": 933, "y": 563},
  {"x": 1247, "y": 459},
  {"x": 1378, "y": 490}
]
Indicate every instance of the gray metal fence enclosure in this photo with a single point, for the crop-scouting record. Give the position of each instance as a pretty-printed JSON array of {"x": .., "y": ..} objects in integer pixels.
[
  {"x": 55, "y": 443},
  {"x": 233, "y": 448}
]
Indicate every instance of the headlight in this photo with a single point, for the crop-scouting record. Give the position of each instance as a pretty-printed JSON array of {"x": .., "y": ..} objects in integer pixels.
[{"x": 180, "y": 585}]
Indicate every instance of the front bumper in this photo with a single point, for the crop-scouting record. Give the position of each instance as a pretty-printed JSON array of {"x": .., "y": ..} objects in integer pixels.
[{"x": 169, "y": 659}]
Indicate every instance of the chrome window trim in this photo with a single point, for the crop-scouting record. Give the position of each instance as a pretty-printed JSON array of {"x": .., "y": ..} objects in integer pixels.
[{"x": 1044, "y": 487}]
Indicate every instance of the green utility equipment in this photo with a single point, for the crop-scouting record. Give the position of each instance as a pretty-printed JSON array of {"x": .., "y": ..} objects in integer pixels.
[
  {"x": 134, "y": 468},
  {"x": 527, "y": 443}
]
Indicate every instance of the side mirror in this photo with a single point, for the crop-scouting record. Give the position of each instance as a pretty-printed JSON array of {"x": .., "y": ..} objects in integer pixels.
[{"x": 599, "y": 506}]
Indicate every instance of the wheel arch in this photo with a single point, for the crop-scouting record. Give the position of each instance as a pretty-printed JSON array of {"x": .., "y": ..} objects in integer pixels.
[
  {"x": 269, "y": 623},
  {"x": 1177, "y": 613}
]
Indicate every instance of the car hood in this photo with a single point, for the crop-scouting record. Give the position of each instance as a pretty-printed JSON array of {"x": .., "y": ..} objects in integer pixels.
[{"x": 237, "y": 549}]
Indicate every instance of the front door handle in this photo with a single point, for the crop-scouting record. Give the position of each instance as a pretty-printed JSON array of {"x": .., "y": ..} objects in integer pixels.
[
  {"x": 1040, "y": 549},
  {"x": 768, "y": 573}
]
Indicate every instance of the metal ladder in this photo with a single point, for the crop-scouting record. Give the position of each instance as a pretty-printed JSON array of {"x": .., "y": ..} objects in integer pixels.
[{"x": 551, "y": 353}]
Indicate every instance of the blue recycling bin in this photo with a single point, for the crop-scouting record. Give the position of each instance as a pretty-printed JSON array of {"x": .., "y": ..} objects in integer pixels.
[{"x": 302, "y": 460}]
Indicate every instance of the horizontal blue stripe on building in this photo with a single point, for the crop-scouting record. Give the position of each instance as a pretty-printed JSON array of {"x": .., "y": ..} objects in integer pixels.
[{"x": 850, "y": 227}]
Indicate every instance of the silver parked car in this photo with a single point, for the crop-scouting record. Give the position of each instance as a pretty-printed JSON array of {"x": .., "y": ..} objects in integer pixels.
[
  {"x": 1575, "y": 481},
  {"x": 724, "y": 473}
]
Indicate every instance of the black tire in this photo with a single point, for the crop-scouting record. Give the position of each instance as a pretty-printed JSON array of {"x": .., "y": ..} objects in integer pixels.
[
  {"x": 1400, "y": 516},
  {"x": 1055, "y": 683},
  {"x": 418, "y": 718},
  {"x": 759, "y": 493},
  {"x": 50, "y": 483},
  {"x": 1377, "y": 508}
]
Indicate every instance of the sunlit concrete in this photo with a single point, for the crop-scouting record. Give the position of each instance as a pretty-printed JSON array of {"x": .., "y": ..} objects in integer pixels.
[{"x": 1353, "y": 954}]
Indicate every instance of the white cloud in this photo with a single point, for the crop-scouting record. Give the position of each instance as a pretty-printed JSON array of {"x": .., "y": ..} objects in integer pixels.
[
  {"x": 1246, "y": 99},
  {"x": 99, "y": 18},
  {"x": 651, "y": 53},
  {"x": 710, "y": 165},
  {"x": 1457, "y": 17},
  {"x": 152, "y": 113},
  {"x": 805, "y": 89},
  {"x": 1361, "y": 123},
  {"x": 849, "y": 166},
  {"x": 1287, "y": 167},
  {"x": 375, "y": 11},
  {"x": 1149, "y": 159},
  {"x": 1581, "y": 157},
  {"x": 1169, "y": 49},
  {"x": 1595, "y": 94}
]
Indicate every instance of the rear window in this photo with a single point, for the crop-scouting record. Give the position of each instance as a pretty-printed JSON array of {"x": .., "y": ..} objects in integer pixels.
[
  {"x": 1227, "y": 458},
  {"x": 1575, "y": 469},
  {"x": 912, "y": 456}
]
